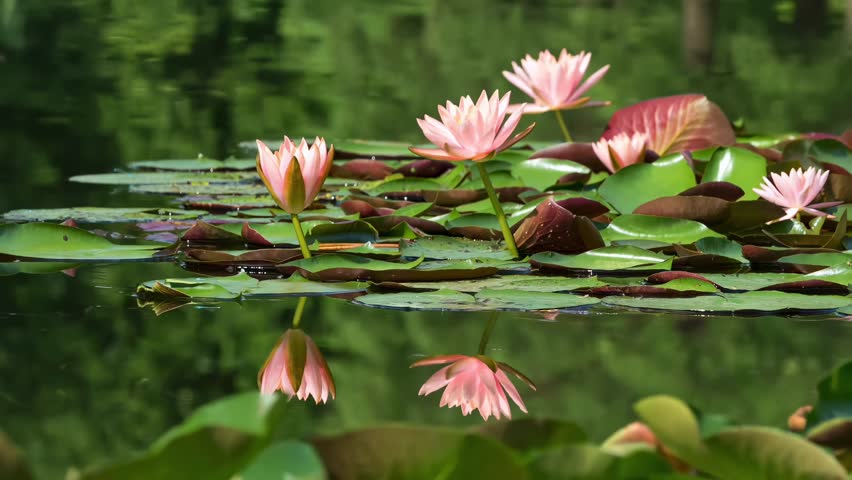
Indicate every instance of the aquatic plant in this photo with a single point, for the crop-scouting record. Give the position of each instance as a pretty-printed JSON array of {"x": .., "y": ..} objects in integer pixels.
[
  {"x": 621, "y": 150},
  {"x": 296, "y": 367},
  {"x": 795, "y": 191},
  {"x": 473, "y": 383},
  {"x": 555, "y": 83},
  {"x": 475, "y": 131},
  {"x": 294, "y": 176}
]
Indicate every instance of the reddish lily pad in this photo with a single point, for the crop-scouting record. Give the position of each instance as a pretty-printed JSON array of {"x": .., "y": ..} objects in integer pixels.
[
  {"x": 724, "y": 190},
  {"x": 707, "y": 210},
  {"x": 674, "y": 124},
  {"x": 361, "y": 169},
  {"x": 556, "y": 229}
]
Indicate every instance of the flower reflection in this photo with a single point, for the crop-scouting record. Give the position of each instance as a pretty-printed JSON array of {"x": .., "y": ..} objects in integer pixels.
[
  {"x": 474, "y": 383},
  {"x": 296, "y": 366}
]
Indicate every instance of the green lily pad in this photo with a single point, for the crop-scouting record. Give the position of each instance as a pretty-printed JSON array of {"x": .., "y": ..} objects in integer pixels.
[
  {"x": 453, "y": 248},
  {"x": 240, "y": 285},
  {"x": 57, "y": 242},
  {"x": 196, "y": 164},
  {"x": 332, "y": 261},
  {"x": 739, "y": 166},
  {"x": 629, "y": 187},
  {"x": 35, "y": 268},
  {"x": 762, "y": 301},
  {"x": 164, "y": 178},
  {"x": 659, "y": 229},
  {"x": 201, "y": 189},
  {"x": 606, "y": 258},
  {"x": 541, "y": 173},
  {"x": 102, "y": 214},
  {"x": 488, "y": 299},
  {"x": 823, "y": 259},
  {"x": 528, "y": 283}
]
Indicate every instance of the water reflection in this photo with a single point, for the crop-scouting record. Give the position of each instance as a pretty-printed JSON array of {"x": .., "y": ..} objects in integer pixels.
[
  {"x": 296, "y": 367},
  {"x": 475, "y": 382}
]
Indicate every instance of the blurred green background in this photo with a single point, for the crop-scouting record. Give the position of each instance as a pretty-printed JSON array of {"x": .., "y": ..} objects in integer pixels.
[{"x": 90, "y": 85}]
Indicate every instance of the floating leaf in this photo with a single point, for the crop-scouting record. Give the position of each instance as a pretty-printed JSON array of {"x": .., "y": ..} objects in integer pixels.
[
  {"x": 528, "y": 283},
  {"x": 762, "y": 301},
  {"x": 196, "y": 164},
  {"x": 486, "y": 299},
  {"x": 58, "y": 242},
  {"x": 164, "y": 178},
  {"x": 557, "y": 229},
  {"x": 674, "y": 124},
  {"x": 541, "y": 173},
  {"x": 707, "y": 210},
  {"x": 741, "y": 167},
  {"x": 660, "y": 229},
  {"x": 606, "y": 259},
  {"x": 239, "y": 285},
  {"x": 628, "y": 188},
  {"x": 102, "y": 214},
  {"x": 451, "y": 248}
]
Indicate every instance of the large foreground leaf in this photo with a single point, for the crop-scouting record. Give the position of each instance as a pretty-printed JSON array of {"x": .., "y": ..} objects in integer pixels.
[
  {"x": 215, "y": 443},
  {"x": 417, "y": 453},
  {"x": 58, "y": 242},
  {"x": 739, "y": 453},
  {"x": 674, "y": 124}
]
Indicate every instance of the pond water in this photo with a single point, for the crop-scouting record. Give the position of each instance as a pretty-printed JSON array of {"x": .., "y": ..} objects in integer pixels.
[{"x": 87, "y": 375}]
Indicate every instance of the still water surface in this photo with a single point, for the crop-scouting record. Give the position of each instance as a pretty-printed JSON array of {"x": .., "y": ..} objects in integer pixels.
[{"x": 87, "y": 375}]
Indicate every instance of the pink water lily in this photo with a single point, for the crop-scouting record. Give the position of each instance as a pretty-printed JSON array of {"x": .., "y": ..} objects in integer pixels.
[
  {"x": 471, "y": 131},
  {"x": 294, "y": 184},
  {"x": 554, "y": 83},
  {"x": 474, "y": 383},
  {"x": 795, "y": 190},
  {"x": 621, "y": 150},
  {"x": 297, "y": 368}
]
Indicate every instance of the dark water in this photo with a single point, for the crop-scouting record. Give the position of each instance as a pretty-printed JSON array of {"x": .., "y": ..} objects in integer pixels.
[{"x": 87, "y": 86}]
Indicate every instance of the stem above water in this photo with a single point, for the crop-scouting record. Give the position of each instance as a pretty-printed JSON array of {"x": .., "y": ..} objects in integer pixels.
[
  {"x": 498, "y": 210},
  {"x": 300, "y": 235},
  {"x": 562, "y": 125}
]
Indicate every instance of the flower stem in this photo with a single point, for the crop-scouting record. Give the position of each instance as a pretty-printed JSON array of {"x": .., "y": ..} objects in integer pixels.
[
  {"x": 300, "y": 235},
  {"x": 300, "y": 309},
  {"x": 498, "y": 210},
  {"x": 486, "y": 334},
  {"x": 562, "y": 125}
]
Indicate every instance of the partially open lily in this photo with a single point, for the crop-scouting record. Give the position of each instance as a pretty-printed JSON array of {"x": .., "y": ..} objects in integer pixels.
[
  {"x": 471, "y": 131},
  {"x": 477, "y": 132},
  {"x": 795, "y": 190},
  {"x": 474, "y": 383},
  {"x": 554, "y": 83},
  {"x": 294, "y": 185},
  {"x": 621, "y": 150},
  {"x": 294, "y": 176},
  {"x": 297, "y": 368}
]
